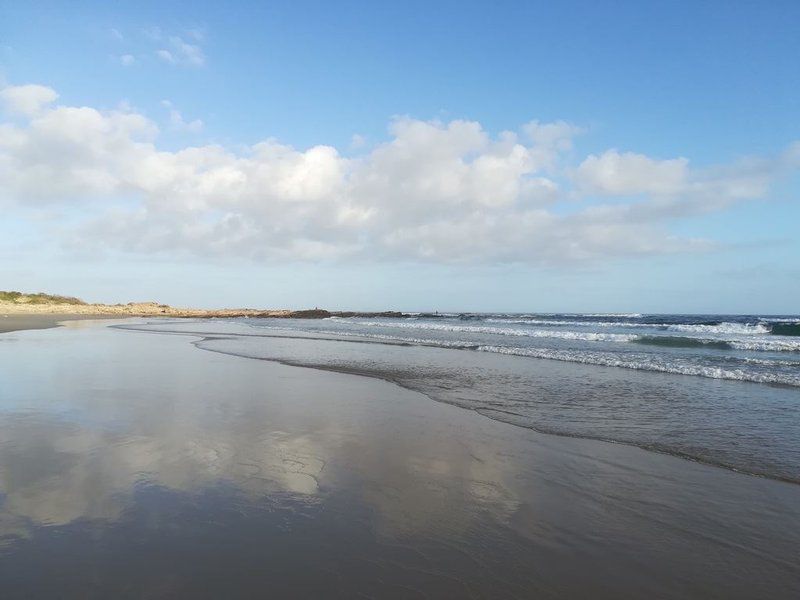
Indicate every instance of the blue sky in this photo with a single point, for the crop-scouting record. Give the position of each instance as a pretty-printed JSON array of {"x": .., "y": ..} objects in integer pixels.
[{"x": 352, "y": 155}]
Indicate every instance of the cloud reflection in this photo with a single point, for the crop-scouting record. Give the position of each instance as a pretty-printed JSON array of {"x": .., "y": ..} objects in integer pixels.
[{"x": 81, "y": 450}]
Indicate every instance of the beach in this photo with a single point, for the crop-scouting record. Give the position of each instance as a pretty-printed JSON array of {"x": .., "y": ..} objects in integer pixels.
[
  {"x": 78, "y": 309},
  {"x": 22, "y": 321},
  {"x": 361, "y": 300},
  {"x": 136, "y": 464}
]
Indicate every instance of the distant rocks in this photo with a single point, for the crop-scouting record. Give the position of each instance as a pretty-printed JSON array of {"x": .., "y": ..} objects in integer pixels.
[
  {"x": 314, "y": 313},
  {"x": 320, "y": 313},
  {"x": 388, "y": 313}
]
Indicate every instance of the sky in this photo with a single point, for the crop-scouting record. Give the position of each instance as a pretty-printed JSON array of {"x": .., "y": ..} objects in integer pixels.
[{"x": 467, "y": 156}]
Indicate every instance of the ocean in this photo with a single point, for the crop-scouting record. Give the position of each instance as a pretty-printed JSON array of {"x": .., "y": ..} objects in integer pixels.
[
  {"x": 718, "y": 389},
  {"x": 741, "y": 347}
]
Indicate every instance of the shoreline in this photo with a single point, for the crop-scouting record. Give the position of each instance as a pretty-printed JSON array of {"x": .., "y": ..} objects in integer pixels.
[
  {"x": 28, "y": 321},
  {"x": 351, "y": 470},
  {"x": 23, "y": 322},
  {"x": 483, "y": 412},
  {"x": 153, "y": 309}
]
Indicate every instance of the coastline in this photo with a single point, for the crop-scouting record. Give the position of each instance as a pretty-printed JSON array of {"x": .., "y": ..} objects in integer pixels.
[
  {"x": 316, "y": 481},
  {"x": 134, "y": 309},
  {"x": 154, "y": 309},
  {"x": 658, "y": 412},
  {"x": 493, "y": 414}
]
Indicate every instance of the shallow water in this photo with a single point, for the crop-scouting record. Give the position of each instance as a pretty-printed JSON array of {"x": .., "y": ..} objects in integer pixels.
[
  {"x": 760, "y": 349},
  {"x": 741, "y": 425},
  {"x": 135, "y": 465}
]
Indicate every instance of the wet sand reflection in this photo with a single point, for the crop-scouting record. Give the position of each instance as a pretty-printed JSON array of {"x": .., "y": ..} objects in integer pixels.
[{"x": 135, "y": 464}]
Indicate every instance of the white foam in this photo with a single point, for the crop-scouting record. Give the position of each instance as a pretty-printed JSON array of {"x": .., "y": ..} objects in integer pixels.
[
  {"x": 779, "y": 320},
  {"x": 559, "y": 323},
  {"x": 771, "y": 362},
  {"x": 610, "y": 360},
  {"x": 507, "y": 331},
  {"x": 621, "y": 315},
  {"x": 638, "y": 361},
  {"x": 767, "y": 345},
  {"x": 722, "y": 328}
]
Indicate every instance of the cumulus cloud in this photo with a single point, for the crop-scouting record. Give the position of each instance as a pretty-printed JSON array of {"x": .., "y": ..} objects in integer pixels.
[
  {"x": 27, "y": 100},
  {"x": 614, "y": 173},
  {"x": 551, "y": 139},
  {"x": 672, "y": 187},
  {"x": 357, "y": 141},
  {"x": 178, "y": 123},
  {"x": 434, "y": 191}
]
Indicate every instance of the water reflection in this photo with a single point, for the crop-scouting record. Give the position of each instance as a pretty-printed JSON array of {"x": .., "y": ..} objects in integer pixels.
[{"x": 135, "y": 464}]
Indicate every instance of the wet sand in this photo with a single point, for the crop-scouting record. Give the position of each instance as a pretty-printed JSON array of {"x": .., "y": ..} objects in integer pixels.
[
  {"x": 20, "y": 322},
  {"x": 137, "y": 465}
]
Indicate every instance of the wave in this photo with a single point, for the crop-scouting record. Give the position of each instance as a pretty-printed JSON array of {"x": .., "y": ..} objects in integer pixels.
[
  {"x": 723, "y": 327},
  {"x": 620, "y": 315},
  {"x": 757, "y": 345},
  {"x": 739, "y": 330},
  {"x": 742, "y": 337},
  {"x": 610, "y": 360},
  {"x": 760, "y": 345},
  {"x": 639, "y": 361},
  {"x": 643, "y": 362},
  {"x": 771, "y": 362},
  {"x": 506, "y": 331},
  {"x": 767, "y": 345},
  {"x": 740, "y": 341},
  {"x": 672, "y": 341},
  {"x": 568, "y": 323},
  {"x": 786, "y": 328},
  {"x": 710, "y": 327}
]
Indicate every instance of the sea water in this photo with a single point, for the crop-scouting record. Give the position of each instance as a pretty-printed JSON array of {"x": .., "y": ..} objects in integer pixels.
[{"x": 719, "y": 389}]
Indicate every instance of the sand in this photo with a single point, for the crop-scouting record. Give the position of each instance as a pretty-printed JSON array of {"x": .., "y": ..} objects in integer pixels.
[
  {"x": 19, "y": 322},
  {"x": 136, "y": 309}
]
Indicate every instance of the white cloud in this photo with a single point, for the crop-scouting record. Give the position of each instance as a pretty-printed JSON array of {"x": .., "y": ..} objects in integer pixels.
[
  {"x": 435, "y": 191},
  {"x": 27, "y": 100},
  {"x": 64, "y": 152},
  {"x": 177, "y": 122},
  {"x": 182, "y": 49},
  {"x": 673, "y": 188},
  {"x": 182, "y": 53},
  {"x": 357, "y": 142},
  {"x": 614, "y": 173},
  {"x": 166, "y": 56},
  {"x": 127, "y": 60},
  {"x": 551, "y": 139}
]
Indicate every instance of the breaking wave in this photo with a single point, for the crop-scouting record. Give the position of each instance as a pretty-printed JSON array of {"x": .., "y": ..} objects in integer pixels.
[
  {"x": 750, "y": 348},
  {"x": 611, "y": 360},
  {"x": 672, "y": 341}
]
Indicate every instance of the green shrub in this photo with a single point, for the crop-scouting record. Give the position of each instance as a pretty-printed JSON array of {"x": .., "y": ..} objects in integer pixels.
[{"x": 40, "y": 298}]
